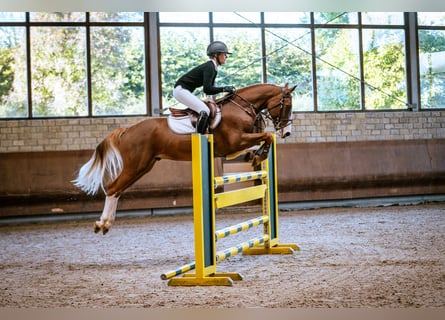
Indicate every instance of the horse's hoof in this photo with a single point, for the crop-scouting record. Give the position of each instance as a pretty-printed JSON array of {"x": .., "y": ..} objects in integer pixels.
[
  {"x": 96, "y": 227},
  {"x": 256, "y": 161},
  {"x": 248, "y": 156},
  {"x": 106, "y": 227}
]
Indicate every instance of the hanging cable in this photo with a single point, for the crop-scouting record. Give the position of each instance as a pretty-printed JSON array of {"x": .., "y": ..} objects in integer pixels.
[
  {"x": 278, "y": 49},
  {"x": 287, "y": 42},
  {"x": 292, "y": 43}
]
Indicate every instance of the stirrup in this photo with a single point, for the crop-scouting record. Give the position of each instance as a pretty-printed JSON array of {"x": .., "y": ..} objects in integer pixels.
[{"x": 201, "y": 125}]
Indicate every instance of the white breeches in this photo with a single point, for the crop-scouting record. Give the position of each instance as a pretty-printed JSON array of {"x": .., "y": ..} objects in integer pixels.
[{"x": 190, "y": 100}]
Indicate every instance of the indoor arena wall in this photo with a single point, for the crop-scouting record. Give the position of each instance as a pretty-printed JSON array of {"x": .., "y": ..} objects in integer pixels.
[{"x": 336, "y": 155}]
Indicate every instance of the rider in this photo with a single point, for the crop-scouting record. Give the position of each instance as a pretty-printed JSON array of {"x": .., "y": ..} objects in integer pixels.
[{"x": 203, "y": 75}]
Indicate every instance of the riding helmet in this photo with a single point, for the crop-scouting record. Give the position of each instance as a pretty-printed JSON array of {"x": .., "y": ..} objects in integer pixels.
[{"x": 217, "y": 47}]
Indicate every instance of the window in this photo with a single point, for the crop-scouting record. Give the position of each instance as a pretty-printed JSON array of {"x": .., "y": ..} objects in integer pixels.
[
  {"x": 338, "y": 73},
  {"x": 183, "y": 46},
  {"x": 58, "y": 72},
  {"x": 244, "y": 66},
  {"x": 12, "y": 16},
  {"x": 382, "y": 18},
  {"x": 183, "y": 17},
  {"x": 384, "y": 68},
  {"x": 288, "y": 52},
  {"x": 432, "y": 59},
  {"x": 116, "y": 17},
  {"x": 117, "y": 70},
  {"x": 79, "y": 64},
  {"x": 324, "y": 18},
  {"x": 181, "y": 49},
  {"x": 237, "y": 17},
  {"x": 287, "y": 17},
  {"x": 13, "y": 72},
  {"x": 57, "y": 16}
]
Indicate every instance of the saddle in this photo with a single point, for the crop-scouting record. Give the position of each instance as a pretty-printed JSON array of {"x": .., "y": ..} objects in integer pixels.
[{"x": 212, "y": 105}]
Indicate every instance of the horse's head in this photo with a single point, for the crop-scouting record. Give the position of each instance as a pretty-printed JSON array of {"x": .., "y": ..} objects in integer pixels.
[{"x": 280, "y": 111}]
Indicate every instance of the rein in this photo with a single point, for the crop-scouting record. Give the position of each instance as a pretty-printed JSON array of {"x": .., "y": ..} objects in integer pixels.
[
  {"x": 253, "y": 111},
  {"x": 259, "y": 122}
]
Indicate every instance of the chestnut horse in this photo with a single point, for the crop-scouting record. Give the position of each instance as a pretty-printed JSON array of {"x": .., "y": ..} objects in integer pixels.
[{"x": 126, "y": 154}]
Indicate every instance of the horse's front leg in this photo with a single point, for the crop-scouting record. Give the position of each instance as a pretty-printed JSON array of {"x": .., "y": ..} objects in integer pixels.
[
  {"x": 108, "y": 215},
  {"x": 262, "y": 153}
]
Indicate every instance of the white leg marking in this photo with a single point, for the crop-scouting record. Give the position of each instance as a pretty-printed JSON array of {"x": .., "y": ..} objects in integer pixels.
[{"x": 108, "y": 214}]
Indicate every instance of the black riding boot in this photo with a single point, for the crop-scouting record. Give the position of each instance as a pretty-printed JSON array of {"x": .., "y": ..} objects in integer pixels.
[{"x": 203, "y": 120}]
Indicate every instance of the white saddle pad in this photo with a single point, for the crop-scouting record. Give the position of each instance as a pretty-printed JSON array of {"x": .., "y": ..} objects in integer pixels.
[{"x": 181, "y": 125}]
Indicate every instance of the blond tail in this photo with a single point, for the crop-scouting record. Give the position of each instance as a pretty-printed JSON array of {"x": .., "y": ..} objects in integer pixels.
[{"x": 104, "y": 165}]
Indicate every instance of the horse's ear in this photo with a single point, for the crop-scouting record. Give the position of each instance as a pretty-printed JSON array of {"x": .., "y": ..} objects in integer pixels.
[
  {"x": 286, "y": 87},
  {"x": 289, "y": 90}
]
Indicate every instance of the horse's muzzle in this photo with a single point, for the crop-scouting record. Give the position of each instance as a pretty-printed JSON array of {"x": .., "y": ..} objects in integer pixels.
[{"x": 286, "y": 131}]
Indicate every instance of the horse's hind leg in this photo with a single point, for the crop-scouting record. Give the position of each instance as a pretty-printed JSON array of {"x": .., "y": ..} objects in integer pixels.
[
  {"x": 108, "y": 215},
  {"x": 114, "y": 190}
]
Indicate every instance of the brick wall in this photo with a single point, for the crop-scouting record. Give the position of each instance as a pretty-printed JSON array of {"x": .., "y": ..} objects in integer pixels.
[
  {"x": 365, "y": 126},
  {"x": 85, "y": 134},
  {"x": 57, "y": 134}
]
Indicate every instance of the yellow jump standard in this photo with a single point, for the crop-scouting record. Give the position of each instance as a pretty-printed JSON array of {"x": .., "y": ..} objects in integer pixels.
[{"x": 205, "y": 203}]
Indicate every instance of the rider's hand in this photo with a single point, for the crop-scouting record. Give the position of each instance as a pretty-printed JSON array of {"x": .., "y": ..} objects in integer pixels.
[{"x": 229, "y": 89}]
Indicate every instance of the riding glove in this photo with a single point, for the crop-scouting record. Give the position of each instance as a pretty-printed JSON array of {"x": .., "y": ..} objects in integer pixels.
[{"x": 229, "y": 89}]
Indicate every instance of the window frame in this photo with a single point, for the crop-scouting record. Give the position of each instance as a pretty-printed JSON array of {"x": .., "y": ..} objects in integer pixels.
[
  {"x": 153, "y": 59},
  {"x": 406, "y": 27}
]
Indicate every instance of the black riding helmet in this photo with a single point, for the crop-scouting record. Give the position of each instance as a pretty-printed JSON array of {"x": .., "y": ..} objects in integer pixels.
[{"x": 217, "y": 47}]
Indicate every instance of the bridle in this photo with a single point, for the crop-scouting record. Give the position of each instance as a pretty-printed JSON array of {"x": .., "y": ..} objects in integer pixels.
[
  {"x": 277, "y": 122},
  {"x": 262, "y": 113}
]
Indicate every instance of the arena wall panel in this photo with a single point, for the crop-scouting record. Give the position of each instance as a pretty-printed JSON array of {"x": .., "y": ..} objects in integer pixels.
[{"x": 329, "y": 156}]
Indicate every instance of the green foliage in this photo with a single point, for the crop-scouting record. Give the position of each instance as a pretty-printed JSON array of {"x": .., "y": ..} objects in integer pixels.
[
  {"x": 243, "y": 67},
  {"x": 181, "y": 50},
  {"x": 290, "y": 61},
  {"x": 338, "y": 84},
  {"x": 332, "y": 17},
  {"x": 385, "y": 72},
  {"x": 431, "y": 41},
  {"x": 6, "y": 72},
  {"x": 184, "y": 48},
  {"x": 117, "y": 66},
  {"x": 58, "y": 71},
  {"x": 338, "y": 73}
]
